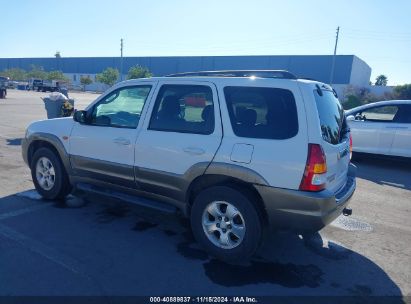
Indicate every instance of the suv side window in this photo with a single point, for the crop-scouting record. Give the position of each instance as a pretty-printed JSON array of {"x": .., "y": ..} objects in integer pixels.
[
  {"x": 122, "y": 108},
  {"x": 378, "y": 114},
  {"x": 183, "y": 108},
  {"x": 268, "y": 113}
]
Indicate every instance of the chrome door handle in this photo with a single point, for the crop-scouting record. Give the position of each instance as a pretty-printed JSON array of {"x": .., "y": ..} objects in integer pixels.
[
  {"x": 194, "y": 150},
  {"x": 122, "y": 141}
]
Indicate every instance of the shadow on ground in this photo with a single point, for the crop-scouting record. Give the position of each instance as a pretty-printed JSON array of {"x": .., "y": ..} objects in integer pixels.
[
  {"x": 286, "y": 264},
  {"x": 287, "y": 259},
  {"x": 14, "y": 141},
  {"x": 395, "y": 172}
]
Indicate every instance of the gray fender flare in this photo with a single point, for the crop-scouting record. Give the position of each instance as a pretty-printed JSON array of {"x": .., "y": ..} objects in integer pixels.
[
  {"x": 52, "y": 140},
  {"x": 239, "y": 172}
]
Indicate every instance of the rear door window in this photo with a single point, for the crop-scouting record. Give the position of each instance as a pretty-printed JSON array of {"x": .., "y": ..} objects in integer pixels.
[
  {"x": 184, "y": 109},
  {"x": 331, "y": 114},
  {"x": 257, "y": 112}
]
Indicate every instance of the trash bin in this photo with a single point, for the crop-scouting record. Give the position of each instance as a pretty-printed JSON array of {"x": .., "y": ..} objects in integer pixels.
[
  {"x": 54, "y": 107},
  {"x": 64, "y": 91}
]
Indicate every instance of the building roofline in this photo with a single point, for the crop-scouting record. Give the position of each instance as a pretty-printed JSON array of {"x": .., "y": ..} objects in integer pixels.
[{"x": 183, "y": 56}]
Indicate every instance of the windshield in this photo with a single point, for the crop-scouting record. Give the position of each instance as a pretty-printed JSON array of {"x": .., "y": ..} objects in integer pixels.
[{"x": 331, "y": 116}]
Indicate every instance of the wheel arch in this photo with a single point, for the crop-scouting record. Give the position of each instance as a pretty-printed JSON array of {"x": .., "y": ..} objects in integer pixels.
[
  {"x": 51, "y": 142},
  {"x": 205, "y": 181}
]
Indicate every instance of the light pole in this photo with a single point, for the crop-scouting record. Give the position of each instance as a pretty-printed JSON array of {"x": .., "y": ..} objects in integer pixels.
[
  {"x": 335, "y": 53},
  {"x": 121, "y": 59}
]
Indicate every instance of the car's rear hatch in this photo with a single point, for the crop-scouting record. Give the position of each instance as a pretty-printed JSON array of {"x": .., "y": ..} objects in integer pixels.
[{"x": 335, "y": 137}]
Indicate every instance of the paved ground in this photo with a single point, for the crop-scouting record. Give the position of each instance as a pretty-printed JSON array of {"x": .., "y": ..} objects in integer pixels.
[{"x": 108, "y": 248}]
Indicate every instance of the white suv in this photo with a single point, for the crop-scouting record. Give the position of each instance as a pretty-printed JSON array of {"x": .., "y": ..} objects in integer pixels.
[{"x": 236, "y": 151}]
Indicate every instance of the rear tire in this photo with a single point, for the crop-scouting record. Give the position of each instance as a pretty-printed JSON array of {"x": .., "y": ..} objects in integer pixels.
[
  {"x": 226, "y": 222},
  {"x": 49, "y": 176}
]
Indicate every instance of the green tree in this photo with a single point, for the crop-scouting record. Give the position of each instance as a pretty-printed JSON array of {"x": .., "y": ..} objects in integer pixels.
[
  {"x": 56, "y": 75},
  {"x": 356, "y": 96},
  {"x": 85, "y": 81},
  {"x": 138, "y": 71},
  {"x": 36, "y": 72},
  {"x": 109, "y": 76},
  {"x": 403, "y": 91},
  {"x": 15, "y": 74},
  {"x": 381, "y": 80},
  {"x": 351, "y": 101}
]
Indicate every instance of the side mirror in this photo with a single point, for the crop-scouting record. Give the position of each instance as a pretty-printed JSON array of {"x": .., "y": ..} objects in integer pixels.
[
  {"x": 80, "y": 117},
  {"x": 350, "y": 118}
]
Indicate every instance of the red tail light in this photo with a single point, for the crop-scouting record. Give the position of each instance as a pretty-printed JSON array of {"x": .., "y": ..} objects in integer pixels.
[
  {"x": 350, "y": 146},
  {"x": 314, "y": 178}
]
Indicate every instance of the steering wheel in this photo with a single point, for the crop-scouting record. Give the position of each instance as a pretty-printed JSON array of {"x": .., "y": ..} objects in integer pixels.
[{"x": 360, "y": 117}]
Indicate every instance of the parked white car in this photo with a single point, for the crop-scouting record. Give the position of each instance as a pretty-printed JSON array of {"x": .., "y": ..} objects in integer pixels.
[
  {"x": 237, "y": 152},
  {"x": 382, "y": 128}
]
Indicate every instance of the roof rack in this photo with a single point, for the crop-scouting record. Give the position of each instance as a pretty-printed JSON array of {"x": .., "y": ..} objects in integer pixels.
[{"x": 282, "y": 74}]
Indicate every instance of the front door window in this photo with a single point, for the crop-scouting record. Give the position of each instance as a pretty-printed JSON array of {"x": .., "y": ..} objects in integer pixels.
[{"x": 122, "y": 108}]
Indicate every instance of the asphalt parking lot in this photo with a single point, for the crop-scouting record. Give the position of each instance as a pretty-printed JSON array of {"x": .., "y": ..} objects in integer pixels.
[{"x": 111, "y": 248}]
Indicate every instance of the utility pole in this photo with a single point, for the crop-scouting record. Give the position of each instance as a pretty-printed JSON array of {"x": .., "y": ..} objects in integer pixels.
[
  {"x": 121, "y": 60},
  {"x": 58, "y": 56},
  {"x": 335, "y": 53}
]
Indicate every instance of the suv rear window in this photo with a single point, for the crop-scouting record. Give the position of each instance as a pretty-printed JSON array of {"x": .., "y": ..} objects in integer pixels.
[
  {"x": 331, "y": 116},
  {"x": 256, "y": 112}
]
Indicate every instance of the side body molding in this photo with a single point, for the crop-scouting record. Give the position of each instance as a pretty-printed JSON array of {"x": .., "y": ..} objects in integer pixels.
[
  {"x": 165, "y": 184},
  {"x": 178, "y": 186},
  {"x": 168, "y": 184}
]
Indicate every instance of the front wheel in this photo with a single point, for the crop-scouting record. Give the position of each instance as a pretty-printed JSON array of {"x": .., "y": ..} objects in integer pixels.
[
  {"x": 226, "y": 222},
  {"x": 49, "y": 175}
]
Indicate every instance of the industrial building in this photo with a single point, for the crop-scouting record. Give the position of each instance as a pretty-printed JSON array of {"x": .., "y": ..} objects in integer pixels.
[{"x": 349, "y": 69}]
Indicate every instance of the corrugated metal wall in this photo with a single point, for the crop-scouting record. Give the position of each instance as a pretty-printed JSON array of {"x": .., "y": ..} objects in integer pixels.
[{"x": 316, "y": 67}]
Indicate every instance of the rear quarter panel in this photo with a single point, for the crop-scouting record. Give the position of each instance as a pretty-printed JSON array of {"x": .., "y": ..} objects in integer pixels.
[{"x": 280, "y": 163}]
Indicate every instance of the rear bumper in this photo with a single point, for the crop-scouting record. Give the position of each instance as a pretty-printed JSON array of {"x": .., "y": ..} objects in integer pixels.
[{"x": 303, "y": 211}]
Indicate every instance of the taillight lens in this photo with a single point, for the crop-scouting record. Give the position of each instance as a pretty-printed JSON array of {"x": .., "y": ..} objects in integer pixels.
[
  {"x": 350, "y": 146},
  {"x": 314, "y": 178}
]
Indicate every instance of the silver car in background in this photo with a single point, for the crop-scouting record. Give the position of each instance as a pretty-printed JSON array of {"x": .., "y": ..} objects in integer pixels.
[{"x": 381, "y": 128}]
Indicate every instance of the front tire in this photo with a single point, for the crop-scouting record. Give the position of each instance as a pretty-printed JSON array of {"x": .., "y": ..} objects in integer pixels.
[
  {"x": 226, "y": 222},
  {"x": 49, "y": 176}
]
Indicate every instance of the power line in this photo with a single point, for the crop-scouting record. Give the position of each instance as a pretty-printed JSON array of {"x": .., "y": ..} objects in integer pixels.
[
  {"x": 231, "y": 46},
  {"x": 370, "y": 32},
  {"x": 388, "y": 38},
  {"x": 273, "y": 40}
]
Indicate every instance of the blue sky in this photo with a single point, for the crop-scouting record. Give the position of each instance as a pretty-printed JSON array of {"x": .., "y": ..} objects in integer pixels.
[{"x": 379, "y": 32}]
